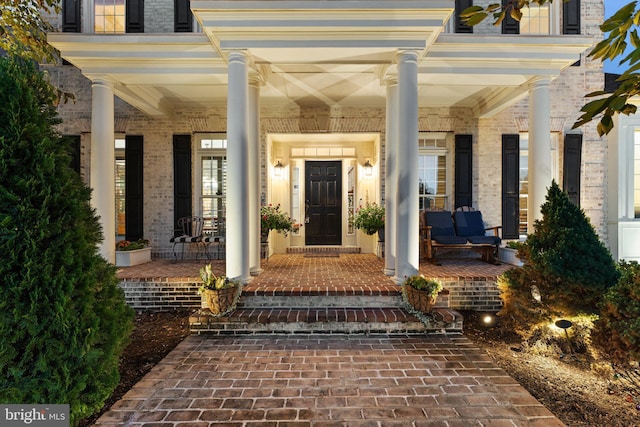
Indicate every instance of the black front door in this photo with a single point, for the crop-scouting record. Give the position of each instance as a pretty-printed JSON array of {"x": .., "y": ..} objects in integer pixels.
[{"x": 323, "y": 204}]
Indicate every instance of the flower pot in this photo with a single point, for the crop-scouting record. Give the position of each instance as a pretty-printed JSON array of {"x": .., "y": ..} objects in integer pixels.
[
  {"x": 135, "y": 257},
  {"x": 419, "y": 299},
  {"x": 219, "y": 300}
]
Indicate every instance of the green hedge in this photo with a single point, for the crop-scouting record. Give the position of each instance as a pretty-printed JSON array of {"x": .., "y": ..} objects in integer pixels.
[{"x": 63, "y": 320}]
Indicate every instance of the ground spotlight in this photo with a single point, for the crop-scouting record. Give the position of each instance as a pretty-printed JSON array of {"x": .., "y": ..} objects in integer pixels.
[{"x": 488, "y": 319}]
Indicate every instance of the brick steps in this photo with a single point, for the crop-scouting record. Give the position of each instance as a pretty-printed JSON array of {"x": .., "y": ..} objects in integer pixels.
[{"x": 313, "y": 311}]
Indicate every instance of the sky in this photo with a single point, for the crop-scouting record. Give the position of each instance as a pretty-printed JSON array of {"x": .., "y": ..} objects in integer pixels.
[{"x": 610, "y": 7}]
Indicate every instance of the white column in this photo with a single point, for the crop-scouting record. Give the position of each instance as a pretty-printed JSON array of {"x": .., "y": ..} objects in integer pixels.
[
  {"x": 391, "y": 178},
  {"x": 102, "y": 175},
  {"x": 539, "y": 179},
  {"x": 238, "y": 206},
  {"x": 254, "y": 175},
  {"x": 407, "y": 221}
]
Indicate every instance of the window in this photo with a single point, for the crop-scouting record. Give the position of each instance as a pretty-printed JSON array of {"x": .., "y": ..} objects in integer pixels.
[
  {"x": 109, "y": 16},
  {"x": 432, "y": 171},
  {"x": 211, "y": 181},
  {"x": 523, "y": 182},
  {"x": 535, "y": 19},
  {"x": 121, "y": 229}
]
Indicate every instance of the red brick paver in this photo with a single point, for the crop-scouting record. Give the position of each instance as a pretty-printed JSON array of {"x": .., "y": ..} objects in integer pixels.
[{"x": 322, "y": 380}]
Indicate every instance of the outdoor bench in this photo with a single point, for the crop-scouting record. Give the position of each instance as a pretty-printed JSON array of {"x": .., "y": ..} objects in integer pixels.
[{"x": 464, "y": 230}]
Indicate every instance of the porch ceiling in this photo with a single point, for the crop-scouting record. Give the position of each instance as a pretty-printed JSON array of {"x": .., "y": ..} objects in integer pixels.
[{"x": 319, "y": 53}]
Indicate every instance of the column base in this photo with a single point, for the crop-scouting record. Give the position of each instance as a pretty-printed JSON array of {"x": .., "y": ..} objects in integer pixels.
[
  {"x": 389, "y": 271},
  {"x": 256, "y": 271}
]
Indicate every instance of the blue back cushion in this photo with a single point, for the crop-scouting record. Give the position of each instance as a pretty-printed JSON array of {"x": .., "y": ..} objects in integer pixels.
[
  {"x": 440, "y": 222},
  {"x": 468, "y": 223}
]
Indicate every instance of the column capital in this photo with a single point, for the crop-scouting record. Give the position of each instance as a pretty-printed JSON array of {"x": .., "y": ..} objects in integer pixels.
[
  {"x": 403, "y": 56},
  {"x": 539, "y": 82},
  {"x": 241, "y": 56},
  {"x": 101, "y": 80}
]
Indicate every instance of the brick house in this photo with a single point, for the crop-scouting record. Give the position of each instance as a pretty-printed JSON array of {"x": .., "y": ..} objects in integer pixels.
[{"x": 212, "y": 108}]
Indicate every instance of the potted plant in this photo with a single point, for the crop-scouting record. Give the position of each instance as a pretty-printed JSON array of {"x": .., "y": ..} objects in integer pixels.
[
  {"x": 219, "y": 292},
  {"x": 272, "y": 218},
  {"x": 129, "y": 253},
  {"x": 421, "y": 292},
  {"x": 370, "y": 219}
]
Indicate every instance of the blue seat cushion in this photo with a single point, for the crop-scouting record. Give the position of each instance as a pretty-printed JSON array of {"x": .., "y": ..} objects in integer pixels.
[
  {"x": 468, "y": 223},
  {"x": 484, "y": 240},
  {"x": 450, "y": 240},
  {"x": 440, "y": 222}
]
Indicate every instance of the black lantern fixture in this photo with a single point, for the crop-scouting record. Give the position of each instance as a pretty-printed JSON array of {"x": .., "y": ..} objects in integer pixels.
[
  {"x": 368, "y": 168},
  {"x": 277, "y": 169}
]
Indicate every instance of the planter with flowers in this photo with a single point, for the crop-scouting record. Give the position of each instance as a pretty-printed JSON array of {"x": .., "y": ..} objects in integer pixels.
[
  {"x": 272, "y": 218},
  {"x": 219, "y": 293},
  {"x": 132, "y": 253},
  {"x": 420, "y": 292},
  {"x": 370, "y": 219}
]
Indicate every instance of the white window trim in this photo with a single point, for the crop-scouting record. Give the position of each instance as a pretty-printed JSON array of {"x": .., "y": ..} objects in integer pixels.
[
  {"x": 441, "y": 151},
  {"x": 199, "y": 153}
]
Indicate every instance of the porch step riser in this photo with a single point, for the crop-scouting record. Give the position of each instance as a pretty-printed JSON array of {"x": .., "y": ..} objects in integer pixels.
[
  {"x": 333, "y": 301},
  {"x": 324, "y": 320}
]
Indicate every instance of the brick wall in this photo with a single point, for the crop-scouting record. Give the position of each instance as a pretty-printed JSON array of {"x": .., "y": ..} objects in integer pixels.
[
  {"x": 567, "y": 90},
  {"x": 161, "y": 294}
]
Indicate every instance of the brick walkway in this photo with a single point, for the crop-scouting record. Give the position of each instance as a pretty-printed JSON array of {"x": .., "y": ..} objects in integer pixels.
[{"x": 327, "y": 380}]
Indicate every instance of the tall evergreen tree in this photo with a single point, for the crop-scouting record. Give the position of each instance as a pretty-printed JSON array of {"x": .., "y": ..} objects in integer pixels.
[
  {"x": 63, "y": 320},
  {"x": 565, "y": 263}
]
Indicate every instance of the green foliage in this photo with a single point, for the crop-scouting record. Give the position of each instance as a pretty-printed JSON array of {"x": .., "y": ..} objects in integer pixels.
[
  {"x": 565, "y": 265},
  {"x": 272, "y": 218},
  {"x": 212, "y": 282},
  {"x": 617, "y": 331},
  {"x": 432, "y": 286},
  {"x": 126, "y": 245},
  {"x": 23, "y": 30},
  {"x": 616, "y": 28},
  {"x": 369, "y": 219},
  {"x": 63, "y": 320}
]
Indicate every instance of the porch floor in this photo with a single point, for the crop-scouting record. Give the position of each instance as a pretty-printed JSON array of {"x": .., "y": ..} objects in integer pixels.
[{"x": 297, "y": 273}]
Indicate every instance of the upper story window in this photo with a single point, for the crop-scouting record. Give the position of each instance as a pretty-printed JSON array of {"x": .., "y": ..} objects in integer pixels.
[
  {"x": 109, "y": 16},
  {"x": 535, "y": 19}
]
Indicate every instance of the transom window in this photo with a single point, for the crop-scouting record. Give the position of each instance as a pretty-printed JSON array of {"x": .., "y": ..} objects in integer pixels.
[
  {"x": 432, "y": 171},
  {"x": 109, "y": 16}
]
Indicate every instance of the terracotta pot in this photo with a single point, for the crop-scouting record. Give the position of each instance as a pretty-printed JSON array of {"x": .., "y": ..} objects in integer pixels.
[
  {"x": 419, "y": 299},
  {"x": 219, "y": 300}
]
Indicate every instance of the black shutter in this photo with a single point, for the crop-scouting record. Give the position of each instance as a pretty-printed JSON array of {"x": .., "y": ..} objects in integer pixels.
[
  {"x": 460, "y": 6},
  {"x": 74, "y": 144},
  {"x": 510, "y": 186},
  {"x": 183, "y": 19},
  {"x": 134, "y": 185},
  {"x": 571, "y": 17},
  {"x": 71, "y": 22},
  {"x": 509, "y": 25},
  {"x": 135, "y": 16},
  {"x": 571, "y": 166},
  {"x": 463, "y": 171},
  {"x": 181, "y": 177}
]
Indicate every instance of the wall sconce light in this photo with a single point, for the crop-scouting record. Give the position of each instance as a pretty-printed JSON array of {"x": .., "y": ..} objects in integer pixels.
[
  {"x": 277, "y": 169},
  {"x": 368, "y": 168}
]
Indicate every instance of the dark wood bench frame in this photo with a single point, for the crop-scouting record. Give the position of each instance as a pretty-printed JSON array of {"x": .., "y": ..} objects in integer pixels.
[{"x": 487, "y": 251}]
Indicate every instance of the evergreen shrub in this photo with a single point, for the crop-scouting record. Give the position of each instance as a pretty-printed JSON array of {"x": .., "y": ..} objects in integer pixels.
[
  {"x": 617, "y": 331},
  {"x": 566, "y": 266},
  {"x": 63, "y": 319}
]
